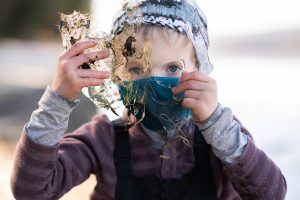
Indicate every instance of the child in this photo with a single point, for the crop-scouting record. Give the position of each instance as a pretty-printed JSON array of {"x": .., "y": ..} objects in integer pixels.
[{"x": 183, "y": 144}]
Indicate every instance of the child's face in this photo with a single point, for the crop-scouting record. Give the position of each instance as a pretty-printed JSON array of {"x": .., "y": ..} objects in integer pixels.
[{"x": 169, "y": 53}]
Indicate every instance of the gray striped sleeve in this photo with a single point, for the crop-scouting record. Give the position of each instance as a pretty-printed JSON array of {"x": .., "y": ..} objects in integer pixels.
[
  {"x": 224, "y": 134},
  {"x": 49, "y": 122}
]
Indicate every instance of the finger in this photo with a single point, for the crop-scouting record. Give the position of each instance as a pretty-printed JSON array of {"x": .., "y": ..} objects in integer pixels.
[
  {"x": 193, "y": 94},
  {"x": 195, "y": 75},
  {"x": 87, "y": 57},
  {"x": 88, "y": 82},
  {"x": 184, "y": 73},
  {"x": 190, "y": 103},
  {"x": 89, "y": 73},
  {"x": 78, "y": 48},
  {"x": 189, "y": 85}
]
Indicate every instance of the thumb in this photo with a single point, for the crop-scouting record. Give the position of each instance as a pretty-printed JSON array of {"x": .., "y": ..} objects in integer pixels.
[{"x": 183, "y": 74}]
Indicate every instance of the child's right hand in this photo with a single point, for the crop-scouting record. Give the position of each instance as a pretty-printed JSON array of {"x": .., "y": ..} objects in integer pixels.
[{"x": 69, "y": 78}]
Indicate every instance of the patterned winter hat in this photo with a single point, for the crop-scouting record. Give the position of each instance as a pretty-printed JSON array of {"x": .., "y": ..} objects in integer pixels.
[{"x": 183, "y": 16}]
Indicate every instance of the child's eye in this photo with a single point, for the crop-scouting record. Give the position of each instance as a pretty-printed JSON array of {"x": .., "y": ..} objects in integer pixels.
[
  {"x": 173, "y": 68},
  {"x": 135, "y": 70}
]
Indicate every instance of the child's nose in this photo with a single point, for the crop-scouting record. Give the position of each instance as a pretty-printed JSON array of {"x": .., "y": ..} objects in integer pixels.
[{"x": 155, "y": 73}]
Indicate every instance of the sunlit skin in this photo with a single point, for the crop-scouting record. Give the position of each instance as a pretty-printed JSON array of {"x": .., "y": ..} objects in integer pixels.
[
  {"x": 171, "y": 55},
  {"x": 69, "y": 79}
]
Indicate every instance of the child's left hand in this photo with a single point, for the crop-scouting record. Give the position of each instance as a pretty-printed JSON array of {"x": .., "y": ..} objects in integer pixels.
[{"x": 200, "y": 93}]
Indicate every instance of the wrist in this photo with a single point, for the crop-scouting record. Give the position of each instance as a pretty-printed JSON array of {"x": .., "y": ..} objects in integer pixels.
[
  {"x": 54, "y": 97},
  {"x": 68, "y": 98},
  {"x": 211, "y": 119},
  {"x": 49, "y": 122}
]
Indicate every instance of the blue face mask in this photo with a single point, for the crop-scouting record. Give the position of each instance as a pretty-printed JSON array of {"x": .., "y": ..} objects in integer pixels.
[{"x": 163, "y": 110}]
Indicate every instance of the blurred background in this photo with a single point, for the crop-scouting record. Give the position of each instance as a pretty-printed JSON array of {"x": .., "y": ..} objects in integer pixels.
[{"x": 255, "y": 48}]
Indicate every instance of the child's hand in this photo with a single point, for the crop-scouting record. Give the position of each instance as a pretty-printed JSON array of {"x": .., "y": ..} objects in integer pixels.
[
  {"x": 69, "y": 78},
  {"x": 200, "y": 94}
]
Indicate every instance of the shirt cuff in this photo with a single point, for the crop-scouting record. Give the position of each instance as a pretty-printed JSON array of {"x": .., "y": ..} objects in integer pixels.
[
  {"x": 49, "y": 122},
  {"x": 224, "y": 134},
  {"x": 203, "y": 125}
]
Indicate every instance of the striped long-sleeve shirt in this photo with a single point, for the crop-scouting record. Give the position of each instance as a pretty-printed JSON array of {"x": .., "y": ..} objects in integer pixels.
[
  {"x": 46, "y": 167},
  {"x": 47, "y": 172}
]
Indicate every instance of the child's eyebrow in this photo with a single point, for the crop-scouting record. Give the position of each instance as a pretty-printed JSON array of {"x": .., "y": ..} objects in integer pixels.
[{"x": 176, "y": 62}]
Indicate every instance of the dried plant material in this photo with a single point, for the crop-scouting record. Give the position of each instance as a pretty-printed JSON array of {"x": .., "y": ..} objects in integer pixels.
[
  {"x": 123, "y": 46},
  {"x": 76, "y": 27},
  {"x": 164, "y": 157}
]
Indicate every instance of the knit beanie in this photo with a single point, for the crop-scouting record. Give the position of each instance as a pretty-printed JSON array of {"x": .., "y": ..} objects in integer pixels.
[{"x": 183, "y": 16}]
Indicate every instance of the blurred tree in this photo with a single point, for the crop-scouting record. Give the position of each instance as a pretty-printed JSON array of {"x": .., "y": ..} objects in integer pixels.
[{"x": 35, "y": 19}]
